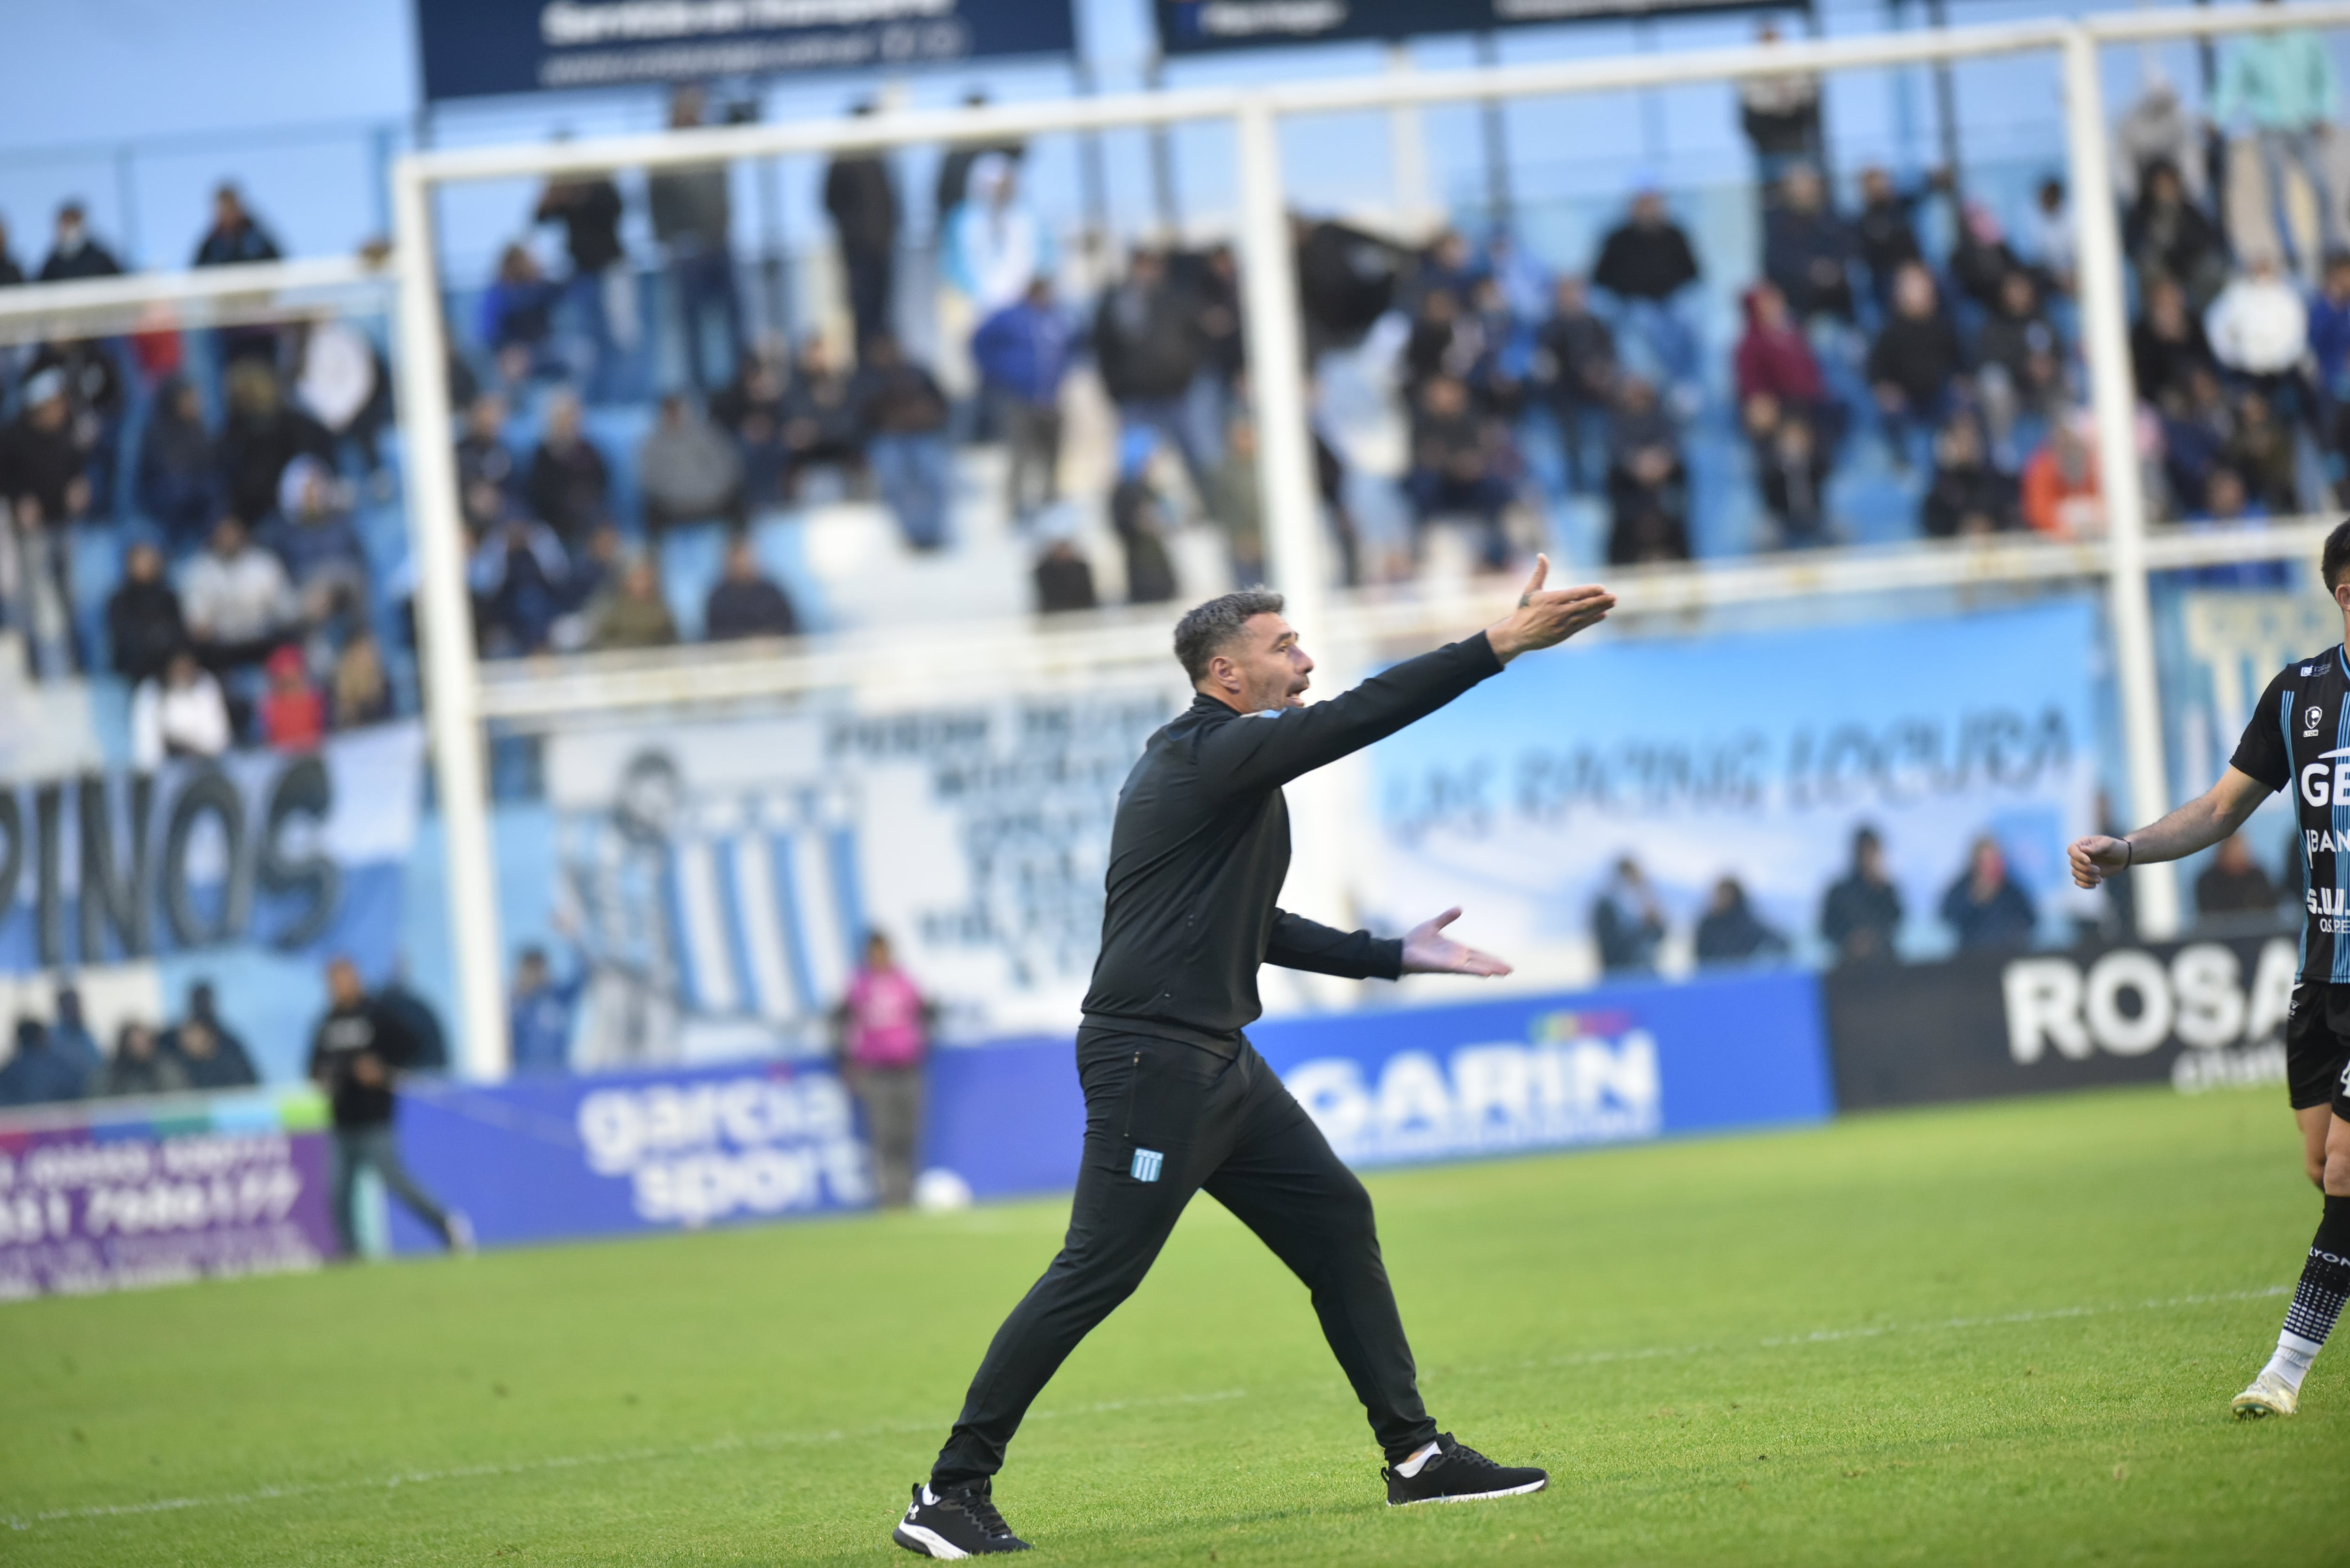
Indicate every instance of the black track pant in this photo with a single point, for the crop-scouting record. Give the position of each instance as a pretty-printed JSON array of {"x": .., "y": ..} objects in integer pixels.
[{"x": 1227, "y": 1126}]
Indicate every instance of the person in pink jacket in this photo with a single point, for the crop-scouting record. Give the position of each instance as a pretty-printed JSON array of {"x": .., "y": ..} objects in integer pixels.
[{"x": 885, "y": 1029}]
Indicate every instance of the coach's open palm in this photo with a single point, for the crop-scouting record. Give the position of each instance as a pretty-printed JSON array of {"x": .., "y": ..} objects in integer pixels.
[
  {"x": 1547, "y": 617},
  {"x": 1428, "y": 950}
]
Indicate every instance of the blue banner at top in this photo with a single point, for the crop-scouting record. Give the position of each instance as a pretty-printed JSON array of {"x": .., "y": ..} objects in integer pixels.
[
  {"x": 1200, "y": 26},
  {"x": 478, "y": 48}
]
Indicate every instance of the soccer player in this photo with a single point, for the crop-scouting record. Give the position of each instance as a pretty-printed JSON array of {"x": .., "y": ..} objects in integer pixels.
[
  {"x": 1176, "y": 1101},
  {"x": 2298, "y": 737}
]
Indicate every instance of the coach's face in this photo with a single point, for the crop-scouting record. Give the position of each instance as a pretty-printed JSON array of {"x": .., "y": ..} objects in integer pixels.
[{"x": 1263, "y": 668}]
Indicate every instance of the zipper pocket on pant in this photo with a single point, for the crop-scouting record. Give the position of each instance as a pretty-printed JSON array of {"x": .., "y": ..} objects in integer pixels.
[{"x": 1133, "y": 1092}]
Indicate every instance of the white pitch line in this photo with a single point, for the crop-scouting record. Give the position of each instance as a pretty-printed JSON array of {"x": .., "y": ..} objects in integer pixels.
[{"x": 892, "y": 1428}]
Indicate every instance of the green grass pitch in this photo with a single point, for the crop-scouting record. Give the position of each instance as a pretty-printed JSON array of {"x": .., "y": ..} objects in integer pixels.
[{"x": 1996, "y": 1333}]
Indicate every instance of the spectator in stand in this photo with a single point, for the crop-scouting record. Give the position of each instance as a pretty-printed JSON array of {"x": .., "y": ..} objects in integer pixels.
[
  {"x": 1862, "y": 910},
  {"x": 208, "y": 1059},
  {"x": 361, "y": 694},
  {"x": 12, "y": 271},
  {"x": 345, "y": 385},
  {"x": 74, "y": 254},
  {"x": 904, "y": 415},
  {"x": 178, "y": 485},
  {"x": 1780, "y": 114},
  {"x": 313, "y": 534},
  {"x": 2226, "y": 501},
  {"x": 517, "y": 319},
  {"x": 1646, "y": 262},
  {"x": 1065, "y": 580},
  {"x": 820, "y": 423},
  {"x": 35, "y": 1075},
  {"x": 140, "y": 1067},
  {"x": 1730, "y": 932},
  {"x": 1981, "y": 260},
  {"x": 568, "y": 488},
  {"x": 751, "y": 409},
  {"x": 1914, "y": 364},
  {"x": 1808, "y": 250},
  {"x": 2265, "y": 455},
  {"x": 2259, "y": 328},
  {"x": 2234, "y": 884},
  {"x": 1212, "y": 278},
  {"x": 1457, "y": 465},
  {"x": 1792, "y": 471},
  {"x": 2049, "y": 245},
  {"x": 2157, "y": 128},
  {"x": 1445, "y": 341},
  {"x": 1148, "y": 345},
  {"x": 693, "y": 213},
  {"x": 994, "y": 245},
  {"x": 2198, "y": 432},
  {"x": 599, "y": 291},
  {"x": 357, "y": 1056},
  {"x": 632, "y": 614},
  {"x": 1022, "y": 353},
  {"x": 2282, "y": 83},
  {"x": 293, "y": 713},
  {"x": 538, "y": 1026},
  {"x": 262, "y": 435},
  {"x": 2166, "y": 236},
  {"x": 1628, "y": 924},
  {"x": 2021, "y": 374},
  {"x": 594, "y": 574},
  {"x": 1139, "y": 515},
  {"x": 1575, "y": 373},
  {"x": 884, "y": 1033},
  {"x": 1236, "y": 503},
  {"x": 1648, "y": 484},
  {"x": 487, "y": 475},
  {"x": 143, "y": 625},
  {"x": 48, "y": 491},
  {"x": 745, "y": 601},
  {"x": 2061, "y": 498},
  {"x": 70, "y": 1037},
  {"x": 863, "y": 202},
  {"x": 237, "y": 598},
  {"x": 2168, "y": 345},
  {"x": 518, "y": 578},
  {"x": 1985, "y": 906},
  {"x": 180, "y": 713},
  {"x": 1967, "y": 498},
  {"x": 427, "y": 1049},
  {"x": 1774, "y": 360},
  {"x": 235, "y": 236},
  {"x": 2329, "y": 330},
  {"x": 688, "y": 473},
  {"x": 1886, "y": 234},
  {"x": 955, "y": 168}
]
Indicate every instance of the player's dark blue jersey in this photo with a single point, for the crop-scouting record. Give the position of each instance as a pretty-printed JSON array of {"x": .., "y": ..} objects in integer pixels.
[{"x": 2299, "y": 739}]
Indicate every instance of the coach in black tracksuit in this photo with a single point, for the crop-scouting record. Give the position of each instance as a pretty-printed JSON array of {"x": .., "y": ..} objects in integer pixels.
[{"x": 1177, "y": 1100}]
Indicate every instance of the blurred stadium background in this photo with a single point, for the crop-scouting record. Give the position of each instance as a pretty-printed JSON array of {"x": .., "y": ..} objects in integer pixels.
[{"x": 590, "y": 510}]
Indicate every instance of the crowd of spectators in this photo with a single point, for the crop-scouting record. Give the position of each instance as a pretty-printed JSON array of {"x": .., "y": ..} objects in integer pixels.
[{"x": 60, "y": 1058}]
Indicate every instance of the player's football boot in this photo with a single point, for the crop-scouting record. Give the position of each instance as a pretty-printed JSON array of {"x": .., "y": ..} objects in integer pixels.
[
  {"x": 1458, "y": 1473},
  {"x": 961, "y": 1521},
  {"x": 2269, "y": 1396}
]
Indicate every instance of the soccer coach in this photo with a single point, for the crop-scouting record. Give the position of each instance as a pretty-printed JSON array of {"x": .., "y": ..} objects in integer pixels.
[{"x": 1177, "y": 1100}]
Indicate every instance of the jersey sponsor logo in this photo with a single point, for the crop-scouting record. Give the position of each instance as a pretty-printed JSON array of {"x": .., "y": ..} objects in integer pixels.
[
  {"x": 2311, "y": 719},
  {"x": 1146, "y": 1164},
  {"x": 2328, "y": 901},
  {"x": 2327, "y": 779}
]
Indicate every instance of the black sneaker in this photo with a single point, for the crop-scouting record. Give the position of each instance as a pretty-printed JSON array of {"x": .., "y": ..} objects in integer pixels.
[
  {"x": 1458, "y": 1473},
  {"x": 961, "y": 1522}
]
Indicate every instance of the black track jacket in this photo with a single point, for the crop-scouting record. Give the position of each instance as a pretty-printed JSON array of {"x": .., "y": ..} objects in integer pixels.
[{"x": 1201, "y": 848}]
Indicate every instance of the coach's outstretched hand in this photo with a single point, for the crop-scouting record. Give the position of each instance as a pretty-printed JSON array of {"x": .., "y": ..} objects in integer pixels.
[
  {"x": 1547, "y": 617},
  {"x": 1428, "y": 950}
]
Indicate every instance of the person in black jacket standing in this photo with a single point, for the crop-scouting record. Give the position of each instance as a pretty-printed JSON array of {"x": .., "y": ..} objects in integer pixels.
[
  {"x": 356, "y": 1054},
  {"x": 1177, "y": 1100},
  {"x": 863, "y": 202}
]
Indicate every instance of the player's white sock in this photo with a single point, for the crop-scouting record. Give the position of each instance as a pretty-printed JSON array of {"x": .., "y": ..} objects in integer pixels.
[
  {"x": 2290, "y": 1363},
  {"x": 1411, "y": 1467}
]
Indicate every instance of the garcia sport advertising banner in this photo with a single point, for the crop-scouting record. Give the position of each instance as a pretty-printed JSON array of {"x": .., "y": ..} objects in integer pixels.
[
  {"x": 1755, "y": 756},
  {"x": 475, "y": 48}
]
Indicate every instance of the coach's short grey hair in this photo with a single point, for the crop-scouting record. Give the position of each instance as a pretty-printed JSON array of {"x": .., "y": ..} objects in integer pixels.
[{"x": 1208, "y": 630}]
